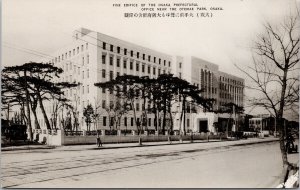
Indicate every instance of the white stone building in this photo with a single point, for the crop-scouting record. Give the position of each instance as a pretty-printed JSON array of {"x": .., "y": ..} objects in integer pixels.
[{"x": 95, "y": 57}]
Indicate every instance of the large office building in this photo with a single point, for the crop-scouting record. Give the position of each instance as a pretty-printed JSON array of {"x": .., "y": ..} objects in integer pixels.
[
  {"x": 224, "y": 88},
  {"x": 94, "y": 57}
]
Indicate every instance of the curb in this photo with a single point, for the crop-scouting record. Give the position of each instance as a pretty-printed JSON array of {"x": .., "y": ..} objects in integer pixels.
[
  {"x": 26, "y": 148},
  {"x": 61, "y": 148}
]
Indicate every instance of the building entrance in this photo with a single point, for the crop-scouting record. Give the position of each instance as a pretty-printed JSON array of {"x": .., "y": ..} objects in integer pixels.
[{"x": 203, "y": 126}]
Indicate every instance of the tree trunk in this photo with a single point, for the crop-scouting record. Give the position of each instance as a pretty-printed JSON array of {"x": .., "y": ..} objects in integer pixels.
[
  {"x": 43, "y": 111},
  {"x": 171, "y": 117},
  {"x": 37, "y": 125},
  {"x": 135, "y": 119},
  {"x": 280, "y": 118},
  {"x": 33, "y": 108},
  {"x": 164, "y": 117},
  {"x": 145, "y": 115},
  {"x": 183, "y": 107},
  {"x": 28, "y": 109},
  {"x": 281, "y": 141}
]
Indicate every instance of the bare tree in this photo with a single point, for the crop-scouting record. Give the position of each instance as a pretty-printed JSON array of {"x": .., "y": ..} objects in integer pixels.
[{"x": 274, "y": 72}]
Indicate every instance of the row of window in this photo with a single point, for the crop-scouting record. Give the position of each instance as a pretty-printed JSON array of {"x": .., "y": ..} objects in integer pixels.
[
  {"x": 126, "y": 121},
  {"x": 125, "y": 61},
  {"x": 69, "y": 53},
  {"x": 138, "y": 55},
  {"x": 84, "y": 75},
  {"x": 230, "y": 88},
  {"x": 111, "y": 73},
  {"x": 83, "y": 90},
  {"x": 235, "y": 82},
  {"x": 257, "y": 122}
]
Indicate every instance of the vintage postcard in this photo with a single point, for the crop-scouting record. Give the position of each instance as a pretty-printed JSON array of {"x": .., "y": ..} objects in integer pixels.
[{"x": 150, "y": 94}]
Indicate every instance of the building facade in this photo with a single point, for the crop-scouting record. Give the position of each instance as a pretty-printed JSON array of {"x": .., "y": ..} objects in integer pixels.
[
  {"x": 224, "y": 88},
  {"x": 94, "y": 57}
]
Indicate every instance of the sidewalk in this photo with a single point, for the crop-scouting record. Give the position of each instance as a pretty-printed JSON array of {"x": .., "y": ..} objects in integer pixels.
[{"x": 132, "y": 145}]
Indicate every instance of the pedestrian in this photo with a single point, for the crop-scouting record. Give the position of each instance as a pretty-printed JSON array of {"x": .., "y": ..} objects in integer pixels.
[{"x": 99, "y": 143}]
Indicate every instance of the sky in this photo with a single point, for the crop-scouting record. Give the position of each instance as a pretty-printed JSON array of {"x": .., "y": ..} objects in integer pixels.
[{"x": 224, "y": 39}]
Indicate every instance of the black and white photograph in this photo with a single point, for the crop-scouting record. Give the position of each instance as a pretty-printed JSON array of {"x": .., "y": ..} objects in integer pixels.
[{"x": 150, "y": 93}]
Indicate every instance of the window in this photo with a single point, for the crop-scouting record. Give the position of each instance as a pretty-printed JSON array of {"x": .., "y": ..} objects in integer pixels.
[
  {"x": 81, "y": 47},
  {"x": 88, "y": 88},
  {"x": 131, "y": 121},
  {"x": 188, "y": 122},
  {"x": 180, "y": 64},
  {"x": 103, "y": 58},
  {"x": 118, "y": 62},
  {"x": 137, "y": 107},
  {"x": 69, "y": 53},
  {"x": 158, "y": 71},
  {"x": 77, "y": 50},
  {"x": 103, "y": 73},
  {"x": 70, "y": 66},
  {"x": 73, "y": 51},
  {"x": 154, "y": 69},
  {"x": 82, "y": 60},
  {"x": 125, "y": 121},
  {"x": 143, "y": 68},
  {"x": 82, "y": 89},
  {"x": 131, "y": 53},
  {"x": 58, "y": 58},
  {"x": 169, "y": 63},
  {"x": 137, "y": 54},
  {"x": 62, "y": 57},
  {"x": 104, "y": 120},
  {"x": 179, "y": 74},
  {"x": 159, "y": 61},
  {"x": 125, "y": 51},
  {"x": 124, "y": 64},
  {"x": 67, "y": 67},
  {"x": 137, "y": 66},
  {"x": 154, "y": 59},
  {"x": 88, "y": 73},
  {"x": 111, "y": 48},
  {"x": 149, "y": 122},
  {"x": 188, "y": 108},
  {"x": 111, "y": 60},
  {"x": 103, "y": 103},
  {"x": 87, "y": 59},
  {"x": 103, "y": 90},
  {"x": 104, "y": 45},
  {"x": 86, "y": 46},
  {"x": 149, "y": 58},
  {"x": 111, "y": 75},
  {"x": 118, "y": 49},
  {"x": 118, "y": 74},
  {"x": 131, "y": 65},
  {"x": 143, "y": 56}
]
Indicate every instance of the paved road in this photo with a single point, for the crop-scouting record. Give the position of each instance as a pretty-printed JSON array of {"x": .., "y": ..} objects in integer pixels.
[{"x": 216, "y": 164}]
